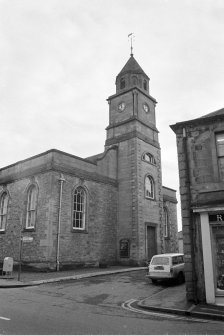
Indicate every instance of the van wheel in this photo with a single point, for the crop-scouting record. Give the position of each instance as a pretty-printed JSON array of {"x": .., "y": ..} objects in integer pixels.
[
  {"x": 154, "y": 281},
  {"x": 180, "y": 278}
]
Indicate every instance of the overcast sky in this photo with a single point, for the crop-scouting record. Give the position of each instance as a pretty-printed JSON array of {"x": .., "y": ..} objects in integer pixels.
[{"x": 59, "y": 60}]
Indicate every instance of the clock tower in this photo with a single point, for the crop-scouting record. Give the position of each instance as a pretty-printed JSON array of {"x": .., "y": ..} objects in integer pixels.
[{"x": 132, "y": 128}]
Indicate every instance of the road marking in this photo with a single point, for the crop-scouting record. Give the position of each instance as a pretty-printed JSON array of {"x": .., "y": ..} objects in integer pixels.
[
  {"x": 3, "y": 318},
  {"x": 127, "y": 305}
]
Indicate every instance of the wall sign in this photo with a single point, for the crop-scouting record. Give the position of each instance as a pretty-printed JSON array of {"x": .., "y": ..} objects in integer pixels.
[
  {"x": 218, "y": 218},
  {"x": 124, "y": 248}
]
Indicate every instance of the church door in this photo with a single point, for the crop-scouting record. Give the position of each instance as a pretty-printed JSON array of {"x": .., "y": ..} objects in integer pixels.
[{"x": 151, "y": 242}]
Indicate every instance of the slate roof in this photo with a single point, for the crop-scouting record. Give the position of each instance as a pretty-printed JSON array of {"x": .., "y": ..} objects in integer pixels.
[
  {"x": 132, "y": 66},
  {"x": 205, "y": 118},
  {"x": 216, "y": 113}
]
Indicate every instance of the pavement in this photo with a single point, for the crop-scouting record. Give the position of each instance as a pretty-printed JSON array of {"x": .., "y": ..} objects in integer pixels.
[{"x": 169, "y": 299}]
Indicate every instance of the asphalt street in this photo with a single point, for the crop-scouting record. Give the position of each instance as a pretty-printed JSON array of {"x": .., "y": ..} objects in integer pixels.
[{"x": 91, "y": 306}]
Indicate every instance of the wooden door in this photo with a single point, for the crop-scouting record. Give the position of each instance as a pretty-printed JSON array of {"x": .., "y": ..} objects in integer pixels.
[{"x": 151, "y": 242}]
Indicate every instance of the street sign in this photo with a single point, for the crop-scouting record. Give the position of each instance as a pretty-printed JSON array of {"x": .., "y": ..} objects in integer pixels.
[{"x": 27, "y": 239}]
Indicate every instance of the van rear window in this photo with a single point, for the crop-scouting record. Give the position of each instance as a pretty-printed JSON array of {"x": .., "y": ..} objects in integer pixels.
[{"x": 160, "y": 261}]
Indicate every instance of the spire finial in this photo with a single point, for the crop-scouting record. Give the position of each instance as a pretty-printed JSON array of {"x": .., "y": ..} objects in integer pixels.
[{"x": 131, "y": 38}]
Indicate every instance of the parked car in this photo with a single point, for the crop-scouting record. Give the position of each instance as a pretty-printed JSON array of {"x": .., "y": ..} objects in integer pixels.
[{"x": 167, "y": 266}]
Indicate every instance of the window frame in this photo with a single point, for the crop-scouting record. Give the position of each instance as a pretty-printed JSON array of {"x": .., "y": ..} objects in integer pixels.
[
  {"x": 151, "y": 158},
  {"x": 220, "y": 155},
  {"x": 122, "y": 83},
  {"x": 145, "y": 86},
  {"x": 31, "y": 207},
  {"x": 4, "y": 200},
  {"x": 152, "y": 184},
  {"x": 134, "y": 80},
  {"x": 83, "y": 227},
  {"x": 166, "y": 222}
]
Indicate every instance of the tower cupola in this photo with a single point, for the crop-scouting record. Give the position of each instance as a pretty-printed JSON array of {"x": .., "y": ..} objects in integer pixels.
[{"x": 131, "y": 76}]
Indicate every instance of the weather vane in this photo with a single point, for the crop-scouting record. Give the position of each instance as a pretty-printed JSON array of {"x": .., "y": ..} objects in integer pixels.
[{"x": 131, "y": 38}]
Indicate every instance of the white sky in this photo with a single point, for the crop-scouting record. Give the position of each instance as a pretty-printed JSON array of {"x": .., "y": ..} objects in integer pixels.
[{"x": 59, "y": 60}]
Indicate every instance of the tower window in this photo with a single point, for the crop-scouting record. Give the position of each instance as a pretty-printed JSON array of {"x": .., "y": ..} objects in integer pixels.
[
  {"x": 145, "y": 85},
  {"x": 79, "y": 209},
  {"x": 134, "y": 81},
  {"x": 149, "y": 187},
  {"x": 122, "y": 83},
  {"x": 3, "y": 210},
  {"x": 149, "y": 158}
]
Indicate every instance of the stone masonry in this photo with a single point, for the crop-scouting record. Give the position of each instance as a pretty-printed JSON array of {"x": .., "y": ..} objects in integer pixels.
[
  {"x": 123, "y": 223},
  {"x": 201, "y": 187}
]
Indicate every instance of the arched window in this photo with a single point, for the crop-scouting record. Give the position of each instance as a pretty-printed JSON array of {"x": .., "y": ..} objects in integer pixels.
[
  {"x": 149, "y": 158},
  {"x": 145, "y": 85},
  {"x": 31, "y": 207},
  {"x": 79, "y": 209},
  {"x": 134, "y": 80},
  {"x": 122, "y": 83},
  {"x": 3, "y": 210},
  {"x": 149, "y": 187},
  {"x": 166, "y": 222}
]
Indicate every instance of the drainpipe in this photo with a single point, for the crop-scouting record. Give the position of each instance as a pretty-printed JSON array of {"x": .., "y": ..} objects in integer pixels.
[
  {"x": 61, "y": 180},
  {"x": 188, "y": 179}
]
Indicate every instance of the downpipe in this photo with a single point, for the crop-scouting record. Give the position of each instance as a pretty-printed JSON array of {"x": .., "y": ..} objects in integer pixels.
[
  {"x": 190, "y": 213},
  {"x": 61, "y": 181}
]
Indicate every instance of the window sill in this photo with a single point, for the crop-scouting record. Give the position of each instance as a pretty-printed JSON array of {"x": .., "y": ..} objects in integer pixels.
[
  {"x": 2, "y": 231},
  {"x": 153, "y": 164},
  {"x": 148, "y": 198},
  {"x": 79, "y": 231},
  {"x": 28, "y": 229}
]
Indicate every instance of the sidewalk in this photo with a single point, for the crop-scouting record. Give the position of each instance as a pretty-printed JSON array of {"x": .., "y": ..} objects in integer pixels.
[
  {"x": 170, "y": 299},
  {"x": 38, "y": 278}
]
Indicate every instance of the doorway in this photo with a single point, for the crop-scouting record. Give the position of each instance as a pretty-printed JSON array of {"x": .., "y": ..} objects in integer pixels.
[{"x": 151, "y": 241}]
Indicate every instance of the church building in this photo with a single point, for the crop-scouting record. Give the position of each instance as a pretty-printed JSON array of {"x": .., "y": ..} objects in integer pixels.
[{"x": 110, "y": 208}]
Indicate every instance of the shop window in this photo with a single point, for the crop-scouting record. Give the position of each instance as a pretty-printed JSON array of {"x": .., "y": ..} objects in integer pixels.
[
  {"x": 220, "y": 152},
  {"x": 3, "y": 210},
  {"x": 149, "y": 158},
  {"x": 218, "y": 256},
  {"x": 31, "y": 207},
  {"x": 149, "y": 187},
  {"x": 79, "y": 209}
]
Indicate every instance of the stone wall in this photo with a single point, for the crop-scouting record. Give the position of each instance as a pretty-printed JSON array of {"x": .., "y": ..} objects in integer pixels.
[
  {"x": 97, "y": 243},
  {"x": 150, "y": 210},
  {"x": 170, "y": 204},
  {"x": 200, "y": 185}
]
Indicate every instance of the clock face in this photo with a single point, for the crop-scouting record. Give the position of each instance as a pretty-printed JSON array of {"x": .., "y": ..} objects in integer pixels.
[
  {"x": 121, "y": 106},
  {"x": 146, "y": 108}
]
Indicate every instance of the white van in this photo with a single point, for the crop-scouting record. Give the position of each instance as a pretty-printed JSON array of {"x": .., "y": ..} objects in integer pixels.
[{"x": 167, "y": 266}]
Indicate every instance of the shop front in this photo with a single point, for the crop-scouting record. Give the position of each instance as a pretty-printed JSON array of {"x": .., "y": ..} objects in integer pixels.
[{"x": 212, "y": 233}]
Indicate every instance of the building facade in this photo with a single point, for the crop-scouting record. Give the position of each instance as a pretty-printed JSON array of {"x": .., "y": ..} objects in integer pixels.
[
  {"x": 110, "y": 207},
  {"x": 200, "y": 145}
]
